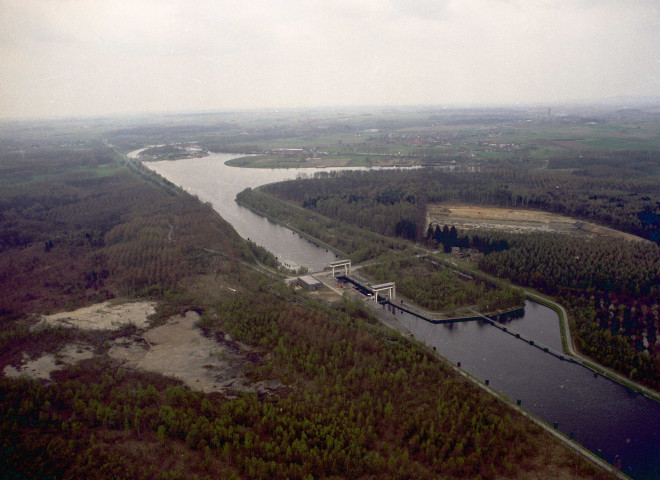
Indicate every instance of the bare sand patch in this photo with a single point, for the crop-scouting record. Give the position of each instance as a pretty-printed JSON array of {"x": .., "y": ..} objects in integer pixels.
[
  {"x": 103, "y": 316},
  {"x": 515, "y": 220},
  {"x": 179, "y": 349},
  {"x": 499, "y": 217},
  {"x": 41, "y": 367}
]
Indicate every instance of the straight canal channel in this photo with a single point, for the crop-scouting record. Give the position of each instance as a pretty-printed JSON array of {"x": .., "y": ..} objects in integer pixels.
[{"x": 616, "y": 423}]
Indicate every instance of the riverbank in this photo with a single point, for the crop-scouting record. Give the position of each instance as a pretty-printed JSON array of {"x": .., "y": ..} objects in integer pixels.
[{"x": 315, "y": 241}]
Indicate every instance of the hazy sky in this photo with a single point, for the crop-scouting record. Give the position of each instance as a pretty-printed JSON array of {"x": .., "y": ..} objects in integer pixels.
[{"x": 89, "y": 57}]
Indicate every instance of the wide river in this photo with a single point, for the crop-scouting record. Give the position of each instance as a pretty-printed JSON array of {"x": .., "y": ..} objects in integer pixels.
[{"x": 621, "y": 426}]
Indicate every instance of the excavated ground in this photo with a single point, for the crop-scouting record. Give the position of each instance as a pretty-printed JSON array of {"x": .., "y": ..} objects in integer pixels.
[{"x": 178, "y": 348}]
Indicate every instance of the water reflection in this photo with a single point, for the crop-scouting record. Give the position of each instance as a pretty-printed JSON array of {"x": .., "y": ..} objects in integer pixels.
[{"x": 212, "y": 181}]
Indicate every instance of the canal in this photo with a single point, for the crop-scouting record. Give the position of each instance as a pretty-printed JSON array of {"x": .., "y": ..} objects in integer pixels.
[
  {"x": 621, "y": 426},
  {"x": 609, "y": 419}
]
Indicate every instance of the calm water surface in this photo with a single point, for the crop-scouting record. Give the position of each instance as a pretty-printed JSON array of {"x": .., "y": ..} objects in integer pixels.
[
  {"x": 213, "y": 181},
  {"x": 602, "y": 415}
]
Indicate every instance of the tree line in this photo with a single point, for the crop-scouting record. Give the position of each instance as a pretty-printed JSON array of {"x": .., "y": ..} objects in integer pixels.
[{"x": 367, "y": 199}]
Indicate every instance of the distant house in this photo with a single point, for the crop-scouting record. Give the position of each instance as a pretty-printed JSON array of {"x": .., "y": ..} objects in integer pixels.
[{"x": 308, "y": 282}]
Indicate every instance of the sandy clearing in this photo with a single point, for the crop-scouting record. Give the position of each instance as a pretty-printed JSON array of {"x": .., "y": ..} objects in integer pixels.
[
  {"x": 515, "y": 220},
  {"x": 496, "y": 214},
  {"x": 179, "y": 349},
  {"x": 41, "y": 368},
  {"x": 103, "y": 316}
]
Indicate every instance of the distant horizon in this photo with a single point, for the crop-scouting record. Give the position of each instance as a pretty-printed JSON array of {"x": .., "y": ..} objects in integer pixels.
[
  {"x": 650, "y": 101},
  {"x": 91, "y": 58}
]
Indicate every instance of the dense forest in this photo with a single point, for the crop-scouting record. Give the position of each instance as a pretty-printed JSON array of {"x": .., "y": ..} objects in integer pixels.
[
  {"x": 620, "y": 190},
  {"x": 610, "y": 287},
  {"x": 435, "y": 287},
  {"x": 353, "y": 406},
  {"x": 368, "y": 199},
  {"x": 76, "y": 227},
  {"x": 355, "y": 401}
]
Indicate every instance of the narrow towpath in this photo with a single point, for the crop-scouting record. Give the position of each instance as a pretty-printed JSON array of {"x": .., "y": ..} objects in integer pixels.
[
  {"x": 567, "y": 338},
  {"x": 569, "y": 348}
]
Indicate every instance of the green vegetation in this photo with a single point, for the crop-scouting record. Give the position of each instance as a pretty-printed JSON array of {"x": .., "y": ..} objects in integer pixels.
[
  {"x": 172, "y": 152},
  {"x": 371, "y": 200},
  {"x": 426, "y": 283},
  {"x": 303, "y": 160},
  {"x": 434, "y": 286},
  {"x": 619, "y": 190},
  {"x": 261, "y": 161},
  {"x": 609, "y": 287},
  {"x": 355, "y": 406}
]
